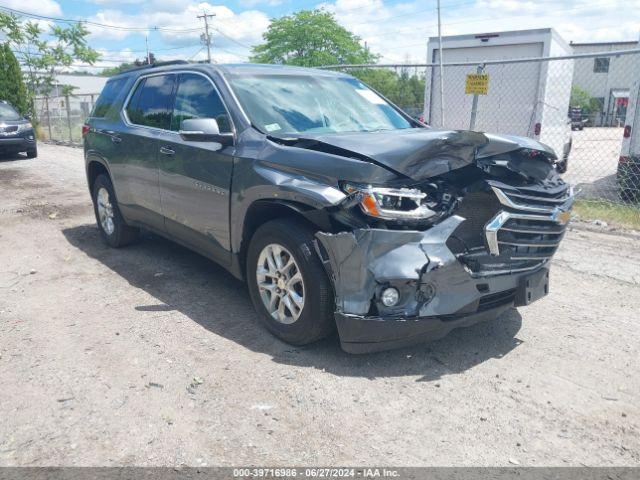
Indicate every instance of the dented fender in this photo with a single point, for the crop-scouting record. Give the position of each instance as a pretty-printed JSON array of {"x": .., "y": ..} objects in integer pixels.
[{"x": 363, "y": 259}]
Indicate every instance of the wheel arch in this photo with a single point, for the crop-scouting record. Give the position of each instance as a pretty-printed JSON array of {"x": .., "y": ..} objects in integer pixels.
[
  {"x": 266, "y": 210},
  {"x": 95, "y": 167}
]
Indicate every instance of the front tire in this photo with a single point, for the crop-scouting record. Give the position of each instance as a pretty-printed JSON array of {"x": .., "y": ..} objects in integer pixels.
[
  {"x": 33, "y": 153},
  {"x": 287, "y": 283},
  {"x": 112, "y": 226}
]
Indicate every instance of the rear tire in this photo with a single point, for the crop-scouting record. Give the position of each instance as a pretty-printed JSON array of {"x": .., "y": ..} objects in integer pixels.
[
  {"x": 315, "y": 319},
  {"x": 112, "y": 226}
]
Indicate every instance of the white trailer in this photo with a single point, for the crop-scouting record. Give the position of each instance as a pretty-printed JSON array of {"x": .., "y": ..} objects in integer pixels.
[
  {"x": 525, "y": 98},
  {"x": 628, "y": 174}
]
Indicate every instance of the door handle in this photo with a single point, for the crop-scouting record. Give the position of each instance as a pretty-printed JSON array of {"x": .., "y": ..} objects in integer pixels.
[
  {"x": 115, "y": 139},
  {"x": 167, "y": 151}
]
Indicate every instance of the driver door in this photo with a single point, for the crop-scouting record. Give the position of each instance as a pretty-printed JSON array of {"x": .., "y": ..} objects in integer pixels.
[{"x": 195, "y": 176}]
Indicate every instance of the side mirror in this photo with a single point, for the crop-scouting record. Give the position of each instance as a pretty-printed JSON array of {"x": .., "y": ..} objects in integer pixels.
[{"x": 204, "y": 130}]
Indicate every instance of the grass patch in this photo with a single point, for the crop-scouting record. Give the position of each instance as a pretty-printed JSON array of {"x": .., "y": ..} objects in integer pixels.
[{"x": 619, "y": 215}]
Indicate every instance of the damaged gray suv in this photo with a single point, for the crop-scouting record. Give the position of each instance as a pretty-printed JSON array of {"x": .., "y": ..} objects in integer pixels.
[{"x": 336, "y": 208}]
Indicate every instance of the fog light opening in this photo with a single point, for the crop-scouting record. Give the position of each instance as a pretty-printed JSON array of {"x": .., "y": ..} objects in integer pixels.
[{"x": 390, "y": 296}]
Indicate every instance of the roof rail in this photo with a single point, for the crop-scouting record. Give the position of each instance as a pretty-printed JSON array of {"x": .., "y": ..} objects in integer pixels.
[{"x": 154, "y": 65}]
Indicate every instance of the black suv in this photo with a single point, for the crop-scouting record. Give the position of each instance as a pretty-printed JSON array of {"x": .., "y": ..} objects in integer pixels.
[
  {"x": 16, "y": 132},
  {"x": 336, "y": 207}
]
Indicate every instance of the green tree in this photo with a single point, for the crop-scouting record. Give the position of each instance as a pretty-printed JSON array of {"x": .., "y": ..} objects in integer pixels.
[
  {"x": 581, "y": 98},
  {"x": 310, "y": 38},
  {"x": 44, "y": 54},
  {"x": 108, "y": 72},
  {"x": 12, "y": 87},
  {"x": 403, "y": 89},
  {"x": 313, "y": 38}
]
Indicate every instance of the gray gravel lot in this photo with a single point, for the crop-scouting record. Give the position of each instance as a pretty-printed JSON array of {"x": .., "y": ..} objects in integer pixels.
[{"x": 151, "y": 355}]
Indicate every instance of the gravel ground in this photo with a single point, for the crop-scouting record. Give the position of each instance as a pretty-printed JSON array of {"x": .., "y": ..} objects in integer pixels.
[{"x": 150, "y": 355}]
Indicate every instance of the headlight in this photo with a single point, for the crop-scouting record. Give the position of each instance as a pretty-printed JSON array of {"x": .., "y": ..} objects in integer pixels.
[
  {"x": 390, "y": 203},
  {"x": 25, "y": 126}
]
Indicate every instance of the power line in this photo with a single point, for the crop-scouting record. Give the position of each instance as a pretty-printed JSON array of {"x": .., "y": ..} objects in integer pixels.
[
  {"x": 97, "y": 24},
  {"x": 38, "y": 54},
  {"x": 151, "y": 49},
  {"x": 232, "y": 39}
]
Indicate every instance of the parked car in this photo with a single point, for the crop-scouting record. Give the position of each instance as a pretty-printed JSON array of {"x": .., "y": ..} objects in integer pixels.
[
  {"x": 336, "y": 208},
  {"x": 577, "y": 120},
  {"x": 16, "y": 132}
]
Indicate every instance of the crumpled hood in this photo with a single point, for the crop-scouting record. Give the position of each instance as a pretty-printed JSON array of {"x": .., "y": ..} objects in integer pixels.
[{"x": 420, "y": 153}]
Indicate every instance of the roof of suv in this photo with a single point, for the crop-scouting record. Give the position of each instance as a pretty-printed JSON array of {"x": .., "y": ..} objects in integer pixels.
[{"x": 235, "y": 69}]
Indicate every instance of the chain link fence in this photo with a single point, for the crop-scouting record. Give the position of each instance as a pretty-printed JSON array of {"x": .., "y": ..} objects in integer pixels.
[
  {"x": 576, "y": 104},
  {"x": 60, "y": 118}
]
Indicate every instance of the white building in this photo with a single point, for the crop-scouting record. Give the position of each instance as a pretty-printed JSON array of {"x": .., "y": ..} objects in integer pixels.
[
  {"x": 84, "y": 84},
  {"x": 84, "y": 93},
  {"x": 607, "y": 79},
  {"x": 529, "y": 98}
]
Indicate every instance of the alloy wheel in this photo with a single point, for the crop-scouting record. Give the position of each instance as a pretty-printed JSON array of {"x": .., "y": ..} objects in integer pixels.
[
  {"x": 280, "y": 283},
  {"x": 105, "y": 211}
]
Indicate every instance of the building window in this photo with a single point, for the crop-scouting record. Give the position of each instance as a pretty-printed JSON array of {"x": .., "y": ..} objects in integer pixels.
[{"x": 601, "y": 64}]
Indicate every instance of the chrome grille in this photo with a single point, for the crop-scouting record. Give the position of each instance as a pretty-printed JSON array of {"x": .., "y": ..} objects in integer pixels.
[
  {"x": 511, "y": 229},
  {"x": 528, "y": 230}
]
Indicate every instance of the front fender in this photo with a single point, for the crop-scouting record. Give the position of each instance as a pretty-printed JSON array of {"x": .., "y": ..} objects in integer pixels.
[{"x": 260, "y": 183}]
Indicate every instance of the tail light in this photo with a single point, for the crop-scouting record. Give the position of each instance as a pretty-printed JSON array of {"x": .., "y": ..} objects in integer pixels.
[
  {"x": 537, "y": 128},
  {"x": 622, "y": 160},
  {"x": 85, "y": 129},
  {"x": 627, "y": 132}
]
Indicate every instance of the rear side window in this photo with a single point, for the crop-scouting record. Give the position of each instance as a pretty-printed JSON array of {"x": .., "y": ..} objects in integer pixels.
[
  {"x": 108, "y": 97},
  {"x": 196, "y": 97},
  {"x": 150, "y": 104}
]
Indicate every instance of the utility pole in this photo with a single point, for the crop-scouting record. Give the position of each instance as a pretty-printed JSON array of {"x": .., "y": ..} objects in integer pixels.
[
  {"x": 207, "y": 37},
  {"x": 441, "y": 69},
  {"x": 146, "y": 42}
]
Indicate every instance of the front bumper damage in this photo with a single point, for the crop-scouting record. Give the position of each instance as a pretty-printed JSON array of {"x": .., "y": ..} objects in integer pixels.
[{"x": 437, "y": 291}]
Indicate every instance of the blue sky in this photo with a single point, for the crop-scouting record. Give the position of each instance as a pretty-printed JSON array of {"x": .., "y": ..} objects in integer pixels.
[{"x": 396, "y": 29}]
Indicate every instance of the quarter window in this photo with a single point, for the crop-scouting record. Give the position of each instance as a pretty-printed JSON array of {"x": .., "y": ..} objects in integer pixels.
[
  {"x": 196, "y": 97},
  {"x": 150, "y": 104},
  {"x": 108, "y": 97}
]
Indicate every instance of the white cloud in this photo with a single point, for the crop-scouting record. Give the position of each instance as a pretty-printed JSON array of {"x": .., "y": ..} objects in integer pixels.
[
  {"x": 232, "y": 32},
  {"x": 255, "y": 3},
  {"x": 114, "y": 2},
  {"x": 49, "y": 8},
  {"x": 400, "y": 31}
]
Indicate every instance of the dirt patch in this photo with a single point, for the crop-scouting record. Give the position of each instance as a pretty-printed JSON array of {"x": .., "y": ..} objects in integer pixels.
[
  {"x": 152, "y": 355},
  {"x": 16, "y": 178}
]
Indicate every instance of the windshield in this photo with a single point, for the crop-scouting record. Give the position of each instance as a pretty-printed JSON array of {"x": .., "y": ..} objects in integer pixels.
[
  {"x": 8, "y": 113},
  {"x": 280, "y": 104}
]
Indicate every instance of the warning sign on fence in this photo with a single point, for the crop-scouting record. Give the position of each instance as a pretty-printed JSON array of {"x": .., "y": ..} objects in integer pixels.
[{"x": 477, "y": 84}]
